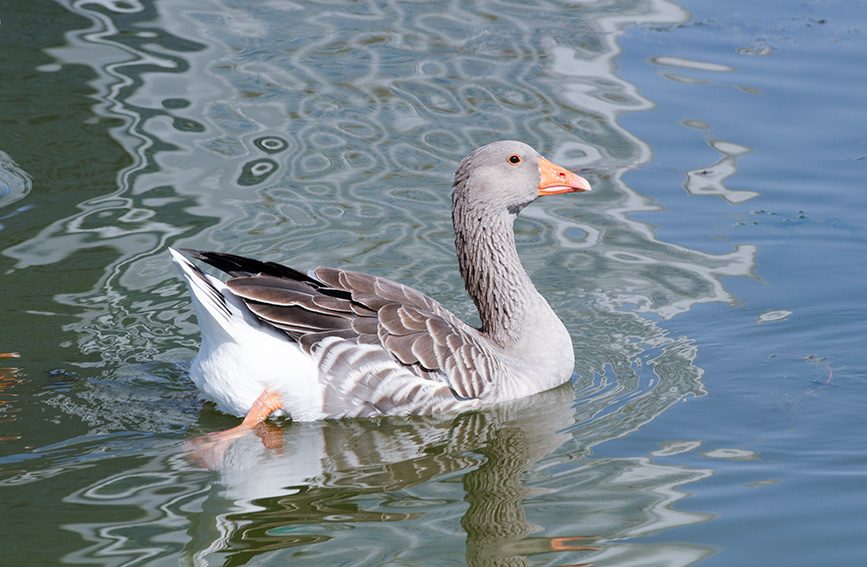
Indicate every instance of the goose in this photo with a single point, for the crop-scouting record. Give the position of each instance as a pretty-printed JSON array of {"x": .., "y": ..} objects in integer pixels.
[{"x": 333, "y": 343}]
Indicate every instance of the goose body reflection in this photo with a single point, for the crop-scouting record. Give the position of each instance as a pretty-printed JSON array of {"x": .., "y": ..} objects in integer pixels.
[
  {"x": 319, "y": 473},
  {"x": 335, "y": 343}
]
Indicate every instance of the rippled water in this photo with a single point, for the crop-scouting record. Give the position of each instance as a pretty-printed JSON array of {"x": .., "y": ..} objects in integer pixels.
[{"x": 713, "y": 281}]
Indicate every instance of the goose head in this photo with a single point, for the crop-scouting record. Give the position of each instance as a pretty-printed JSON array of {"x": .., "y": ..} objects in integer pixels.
[{"x": 509, "y": 175}]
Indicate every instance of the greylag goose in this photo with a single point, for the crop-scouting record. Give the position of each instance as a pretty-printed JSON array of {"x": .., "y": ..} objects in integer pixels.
[{"x": 333, "y": 343}]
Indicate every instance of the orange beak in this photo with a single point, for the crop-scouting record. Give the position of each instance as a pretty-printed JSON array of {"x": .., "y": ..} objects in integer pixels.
[{"x": 556, "y": 179}]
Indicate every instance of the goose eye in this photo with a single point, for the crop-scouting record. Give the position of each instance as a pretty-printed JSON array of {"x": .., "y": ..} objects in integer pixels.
[{"x": 514, "y": 159}]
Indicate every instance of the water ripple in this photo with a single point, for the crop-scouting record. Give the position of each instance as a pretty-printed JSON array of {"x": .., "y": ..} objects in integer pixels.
[
  {"x": 15, "y": 184},
  {"x": 328, "y": 134}
]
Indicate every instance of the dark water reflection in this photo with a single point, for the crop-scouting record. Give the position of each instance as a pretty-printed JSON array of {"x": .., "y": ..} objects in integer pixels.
[{"x": 327, "y": 134}]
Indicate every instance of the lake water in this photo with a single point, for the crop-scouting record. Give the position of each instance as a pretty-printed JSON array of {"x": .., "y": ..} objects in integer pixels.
[{"x": 714, "y": 282}]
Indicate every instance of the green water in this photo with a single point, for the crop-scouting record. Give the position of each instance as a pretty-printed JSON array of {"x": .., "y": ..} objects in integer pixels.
[{"x": 713, "y": 281}]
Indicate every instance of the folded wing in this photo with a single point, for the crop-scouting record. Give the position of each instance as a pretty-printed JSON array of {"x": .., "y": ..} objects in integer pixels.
[{"x": 410, "y": 327}]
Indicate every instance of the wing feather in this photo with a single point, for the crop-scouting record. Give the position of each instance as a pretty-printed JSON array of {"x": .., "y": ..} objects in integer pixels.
[{"x": 411, "y": 328}]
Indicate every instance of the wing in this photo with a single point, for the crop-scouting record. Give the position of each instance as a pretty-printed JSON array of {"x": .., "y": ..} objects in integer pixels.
[
  {"x": 415, "y": 330},
  {"x": 420, "y": 333}
]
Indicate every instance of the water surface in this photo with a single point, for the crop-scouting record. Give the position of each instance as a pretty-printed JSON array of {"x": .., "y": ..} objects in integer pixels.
[{"x": 713, "y": 281}]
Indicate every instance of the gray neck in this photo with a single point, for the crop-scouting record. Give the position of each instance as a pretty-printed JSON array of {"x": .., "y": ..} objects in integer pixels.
[{"x": 492, "y": 271}]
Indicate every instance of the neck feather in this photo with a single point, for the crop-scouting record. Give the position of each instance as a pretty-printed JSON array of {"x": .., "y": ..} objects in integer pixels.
[{"x": 492, "y": 271}]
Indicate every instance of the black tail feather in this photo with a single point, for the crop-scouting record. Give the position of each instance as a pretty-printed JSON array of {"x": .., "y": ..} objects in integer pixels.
[{"x": 238, "y": 266}]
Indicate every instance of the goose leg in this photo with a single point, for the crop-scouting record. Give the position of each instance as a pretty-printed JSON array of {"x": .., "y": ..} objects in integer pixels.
[
  {"x": 266, "y": 404},
  {"x": 208, "y": 449},
  {"x": 565, "y": 544}
]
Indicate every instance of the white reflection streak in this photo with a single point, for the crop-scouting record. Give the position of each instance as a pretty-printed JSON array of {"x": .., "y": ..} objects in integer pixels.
[
  {"x": 582, "y": 92},
  {"x": 95, "y": 48},
  {"x": 711, "y": 179},
  {"x": 662, "y": 515},
  {"x": 145, "y": 487}
]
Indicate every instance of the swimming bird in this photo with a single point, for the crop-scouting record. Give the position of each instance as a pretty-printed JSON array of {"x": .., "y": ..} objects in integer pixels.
[{"x": 334, "y": 343}]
